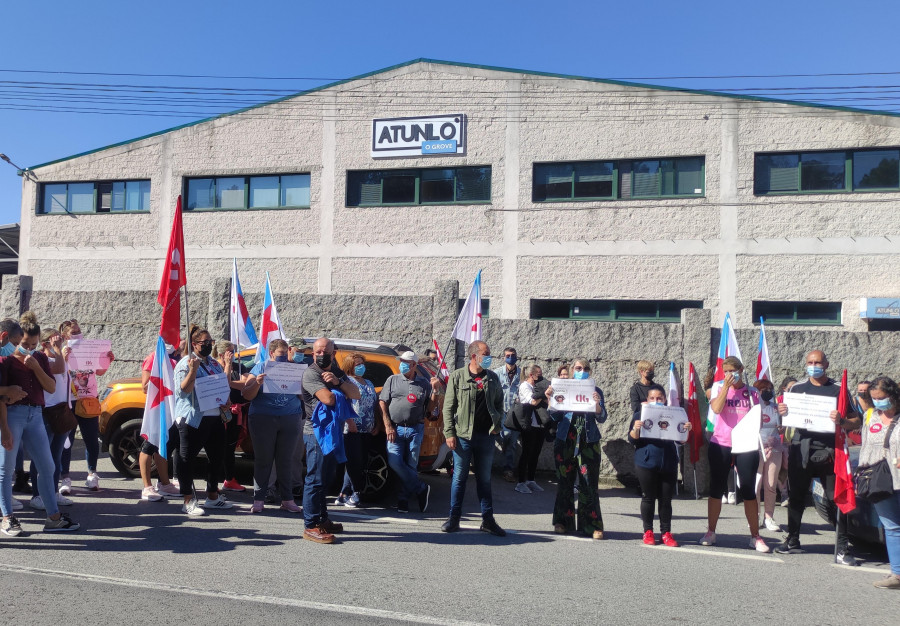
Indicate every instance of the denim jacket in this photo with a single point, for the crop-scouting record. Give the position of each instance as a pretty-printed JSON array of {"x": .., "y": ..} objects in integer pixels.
[
  {"x": 187, "y": 408},
  {"x": 592, "y": 421}
]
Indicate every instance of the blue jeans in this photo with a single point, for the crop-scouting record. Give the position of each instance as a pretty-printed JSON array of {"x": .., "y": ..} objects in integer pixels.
[
  {"x": 57, "y": 442},
  {"x": 889, "y": 513},
  {"x": 403, "y": 457},
  {"x": 507, "y": 440},
  {"x": 480, "y": 450},
  {"x": 90, "y": 435},
  {"x": 27, "y": 425},
  {"x": 319, "y": 474}
]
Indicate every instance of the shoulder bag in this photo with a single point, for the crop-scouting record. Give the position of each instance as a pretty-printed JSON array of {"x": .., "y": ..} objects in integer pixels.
[{"x": 875, "y": 482}]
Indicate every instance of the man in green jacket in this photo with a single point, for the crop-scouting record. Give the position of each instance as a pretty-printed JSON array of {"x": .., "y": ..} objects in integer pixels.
[{"x": 473, "y": 410}]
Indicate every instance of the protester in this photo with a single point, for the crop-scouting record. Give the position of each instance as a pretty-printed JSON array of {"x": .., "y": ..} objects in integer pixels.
[
  {"x": 21, "y": 420},
  {"x": 274, "y": 422},
  {"x": 641, "y": 388},
  {"x": 770, "y": 462},
  {"x": 863, "y": 400},
  {"x": 357, "y": 444},
  {"x": 880, "y": 426},
  {"x": 198, "y": 429},
  {"x": 783, "y": 483},
  {"x": 473, "y": 410},
  {"x": 430, "y": 354},
  {"x": 811, "y": 455},
  {"x": 562, "y": 371},
  {"x": 730, "y": 402},
  {"x": 7, "y": 326},
  {"x": 656, "y": 466},
  {"x": 321, "y": 381},
  {"x": 405, "y": 399},
  {"x": 149, "y": 454},
  {"x": 577, "y": 455},
  {"x": 534, "y": 431},
  {"x": 510, "y": 375},
  {"x": 225, "y": 354}
]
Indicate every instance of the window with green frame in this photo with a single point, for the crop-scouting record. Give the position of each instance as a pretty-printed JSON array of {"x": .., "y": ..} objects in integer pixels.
[
  {"x": 267, "y": 191},
  {"x": 681, "y": 177},
  {"x": 485, "y": 307},
  {"x": 667, "y": 311},
  {"x": 788, "y": 313},
  {"x": 452, "y": 185},
  {"x": 117, "y": 196},
  {"x": 835, "y": 171}
]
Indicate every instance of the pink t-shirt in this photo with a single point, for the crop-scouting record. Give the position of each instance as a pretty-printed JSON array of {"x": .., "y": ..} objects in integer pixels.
[{"x": 737, "y": 404}]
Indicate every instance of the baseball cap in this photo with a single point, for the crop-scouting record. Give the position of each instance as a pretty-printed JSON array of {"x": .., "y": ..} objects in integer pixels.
[{"x": 409, "y": 355}]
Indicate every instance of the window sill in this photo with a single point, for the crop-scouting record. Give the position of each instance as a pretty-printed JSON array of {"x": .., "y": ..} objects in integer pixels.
[
  {"x": 67, "y": 214},
  {"x": 633, "y": 198},
  {"x": 245, "y": 209},
  {"x": 421, "y": 204},
  {"x": 838, "y": 192}
]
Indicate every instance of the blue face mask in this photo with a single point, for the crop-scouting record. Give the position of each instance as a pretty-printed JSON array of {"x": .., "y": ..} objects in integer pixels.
[
  {"x": 511, "y": 360},
  {"x": 882, "y": 405},
  {"x": 282, "y": 358},
  {"x": 359, "y": 370},
  {"x": 581, "y": 375},
  {"x": 814, "y": 371},
  {"x": 298, "y": 357},
  {"x": 25, "y": 351},
  {"x": 656, "y": 402},
  {"x": 405, "y": 367},
  {"x": 7, "y": 350},
  {"x": 486, "y": 361}
]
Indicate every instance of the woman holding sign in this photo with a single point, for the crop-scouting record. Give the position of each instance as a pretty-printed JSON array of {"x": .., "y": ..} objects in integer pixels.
[
  {"x": 731, "y": 402},
  {"x": 577, "y": 455}
]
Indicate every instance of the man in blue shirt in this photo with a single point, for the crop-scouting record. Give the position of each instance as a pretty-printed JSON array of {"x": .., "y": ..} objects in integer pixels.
[{"x": 509, "y": 374}]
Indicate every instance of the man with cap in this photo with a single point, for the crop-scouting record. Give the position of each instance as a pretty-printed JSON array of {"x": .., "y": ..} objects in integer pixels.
[{"x": 404, "y": 400}]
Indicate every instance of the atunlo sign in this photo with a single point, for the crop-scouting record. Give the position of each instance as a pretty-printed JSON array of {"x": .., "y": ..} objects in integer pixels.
[{"x": 417, "y": 136}]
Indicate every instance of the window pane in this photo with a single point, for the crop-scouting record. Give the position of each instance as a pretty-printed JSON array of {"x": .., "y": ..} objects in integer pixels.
[
  {"x": 822, "y": 171},
  {"x": 145, "y": 195},
  {"x": 363, "y": 188},
  {"x": 688, "y": 177},
  {"x": 133, "y": 195},
  {"x": 295, "y": 190},
  {"x": 81, "y": 198},
  {"x": 230, "y": 193},
  {"x": 776, "y": 173},
  {"x": 636, "y": 309},
  {"x": 55, "y": 199},
  {"x": 592, "y": 309},
  {"x": 104, "y": 197},
  {"x": 646, "y": 178},
  {"x": 264, "y": 191},
  {"x": 473, "y": 184},
  {"x": 593, "y": 180},
  {"x": 819, "y": 312},
  {"x": 550, "y": 309},
  {"x": 118, "y": 197},
  {"x": 876, "y": 169},
  {"x": 773, "y": 311},
  {"x": 201, "y": 193},
  {"x": 671, "y": 309},
  {"x": 436, "y": 186},
  {"x": 552, "y": 182},
  {"x": 398, "y": 188}
]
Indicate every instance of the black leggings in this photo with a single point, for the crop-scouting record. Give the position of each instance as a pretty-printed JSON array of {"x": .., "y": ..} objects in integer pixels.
[
  {"x": 721, "y": 460},
  {"x": 232, "y": 435},
  {"x": 532, "y": 442},
  {"x": 656, "y": 486},
  {"x": 209, "y": 435}
]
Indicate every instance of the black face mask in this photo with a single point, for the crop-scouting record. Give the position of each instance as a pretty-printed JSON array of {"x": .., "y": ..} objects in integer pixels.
[
  {"x": 650, "y": 375},
  {"x": 767, "y": 395},
  {"x": 323, "y": 360},
  {"x": 205, "y": 351}
]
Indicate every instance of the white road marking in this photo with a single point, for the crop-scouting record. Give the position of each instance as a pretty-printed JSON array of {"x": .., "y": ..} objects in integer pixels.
[
  {"x": 236, "y": 595},
  {"x": 708, "y": 552},
  {"x": 375, "y": 518},
  {"x": 875, "y": 570}
]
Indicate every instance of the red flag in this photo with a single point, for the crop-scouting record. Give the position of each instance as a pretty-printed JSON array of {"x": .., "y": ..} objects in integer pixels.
[
  {"x": 693, "y": 411},
  {"x": 173, "y": 279},
  {"x": 844, "y": 495}
]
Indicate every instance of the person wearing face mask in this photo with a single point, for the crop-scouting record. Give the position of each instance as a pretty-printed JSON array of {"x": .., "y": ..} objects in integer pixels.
[
  {"x": 656, "y": 466},
  {"x": 641, "y": 387},
  {"x": 770, "y": 463},
  {"x": 356, "y": 444},
  {"x": 473, "y": 410},
  {"x": 405, "y": 399},
  {"x": 7, "y": 327},
  {"x": 225, "y": 355},
  {"x": 862, "y": 401},
  {"x": 150, "y": 453},
  {"x": 730, "y": 402},
  {"x": 811, "y": 454},
  {"x": 274, "y": 422},
  {"x": 320, "y": 381},
  {"x": 577, "y": 455},
  {"x": 509, "y": 374},
  {"x": 534, "y": 431}
]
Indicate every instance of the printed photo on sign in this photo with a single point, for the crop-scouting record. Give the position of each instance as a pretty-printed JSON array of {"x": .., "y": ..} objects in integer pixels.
[
  {"x": 572, "y": 395},
  {"x": 809, "y": 412},
  {"x": 663, "y": 422},
  {"x": 84, "y": 383}
]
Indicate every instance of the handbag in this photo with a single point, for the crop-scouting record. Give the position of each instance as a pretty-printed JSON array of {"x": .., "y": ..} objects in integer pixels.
[
  {"x": 60, "y": 418},
  {"x": 87, "y": 407},
  {"x": 875, "y": 482},
  {"x": 511, "y": 421}
]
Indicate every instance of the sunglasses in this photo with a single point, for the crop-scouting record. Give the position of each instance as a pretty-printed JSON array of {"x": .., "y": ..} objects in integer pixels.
[{"x": 203, "y": 343}]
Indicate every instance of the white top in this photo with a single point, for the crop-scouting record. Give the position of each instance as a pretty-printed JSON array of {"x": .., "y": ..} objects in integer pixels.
[
  {"x": 63, "y": 391},
  {"x": 526, "y": 390}
]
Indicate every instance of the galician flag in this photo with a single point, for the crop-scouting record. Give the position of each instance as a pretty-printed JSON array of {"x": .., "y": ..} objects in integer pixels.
[
  {"x": 242, "y": 333},
  {"x": 728, "y": 346},
  {"x": 443, "y": 372},
  {"x": 763, "y": 366},
  {"x": 674, "y": 396},
  {"x": 270, "y": 328},
  {"x": 468, "y": 324},
  {"x": 159, "y": 408}
]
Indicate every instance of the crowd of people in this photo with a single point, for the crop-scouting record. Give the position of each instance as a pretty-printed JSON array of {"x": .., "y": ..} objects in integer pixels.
[{"x": 486, "y": 407}]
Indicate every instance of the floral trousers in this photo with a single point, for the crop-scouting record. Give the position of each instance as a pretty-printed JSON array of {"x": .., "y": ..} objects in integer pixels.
[{"x": 577, "y": 472}]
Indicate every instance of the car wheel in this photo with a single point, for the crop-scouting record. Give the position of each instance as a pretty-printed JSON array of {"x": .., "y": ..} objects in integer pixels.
[
  {"x": 125, "y": 448},
  {"x": 377, "y": 475}
]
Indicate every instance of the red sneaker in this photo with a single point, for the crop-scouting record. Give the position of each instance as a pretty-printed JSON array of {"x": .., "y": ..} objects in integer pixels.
[
  {"x": 233, "y": 485},
  {"x": 649, "y": 539},
  {"x": 669, "y": 540}
]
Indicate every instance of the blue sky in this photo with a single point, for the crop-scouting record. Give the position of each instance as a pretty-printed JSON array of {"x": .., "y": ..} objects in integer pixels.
[{"x": 331, "y": 40}]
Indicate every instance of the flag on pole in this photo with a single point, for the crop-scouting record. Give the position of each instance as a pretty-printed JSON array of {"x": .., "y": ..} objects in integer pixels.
[
  {"x": 728, "y": 346},
  {"x": 695, "y": 436},
  {"x": 443, "y": 372},
  {"x": 159, "y": 407},
  {"x": 468, "y": 324},
  {"x": 270, "y": 328},
  {"x": 173, "y": 279},
  {"x": 844, "y": 495},
  {"x": 763, "y": 366},
  {"x": 674, "y": 396},
  {"x": 242, "y": 333}
]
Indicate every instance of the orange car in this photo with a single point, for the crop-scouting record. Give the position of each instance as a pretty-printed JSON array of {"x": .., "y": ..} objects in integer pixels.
[{"x": 122, "y": 410}]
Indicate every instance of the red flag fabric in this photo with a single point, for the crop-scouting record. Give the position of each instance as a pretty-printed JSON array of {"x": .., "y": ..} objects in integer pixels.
[
  {"x": 173, "y": 279},
  {"x": 695, "y": 437},
  {"x": 844, "y": 495},
  {"x": 443, "y": 372}
]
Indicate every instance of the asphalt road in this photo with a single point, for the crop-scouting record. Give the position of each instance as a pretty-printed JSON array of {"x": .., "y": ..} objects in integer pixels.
[{"x": 146, "y": 561}]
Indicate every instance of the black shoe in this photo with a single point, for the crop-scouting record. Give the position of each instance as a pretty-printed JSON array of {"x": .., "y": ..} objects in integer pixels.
[
  {"x": 402, "y": 506},
  {"x": 451, "y": 525},
  {"x": 790, "y": 545},
  {"x": 489, "y": 525},
  {"x": 843, "y": 557},
  {"x": 423, "y": 498},
  {"x": 21, "y": 483}
]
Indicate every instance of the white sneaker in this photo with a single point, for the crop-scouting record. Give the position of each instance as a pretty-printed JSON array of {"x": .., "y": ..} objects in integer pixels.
[
  {"x": 732, "y": 497},
  {"x": 771, "y": 525},
  {"x": 37, "y": 503},
  {"x": 17, "y": 505},
  {"x": 149, "y": 494},
  {"x": 758, "y": 544},
  {"x": 167, "y": 491},
  {"x": 523, "y": 488},
  {"x": 219, "y": 503},
  {"x": 192, "y": 508},
  {"x": 709, "y": 539},
  {"x": 63, "y": 501},
  {"x": 65, "y": 487},
  {"x": 92, "y": 482},
  {"x": 533, "y": 486}
]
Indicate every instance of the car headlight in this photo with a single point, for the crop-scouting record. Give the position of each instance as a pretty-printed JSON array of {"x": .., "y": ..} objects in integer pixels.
[{"x": 105, "y": 393}]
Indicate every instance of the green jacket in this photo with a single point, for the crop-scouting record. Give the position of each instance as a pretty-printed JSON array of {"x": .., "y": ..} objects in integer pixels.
[{"x": 459, "y": 404}]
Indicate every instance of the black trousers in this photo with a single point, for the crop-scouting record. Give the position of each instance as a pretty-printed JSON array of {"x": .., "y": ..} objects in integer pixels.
[
  {"x": 659, "y": 487},
  {"x": 209, "y": 435},
  {"x": 799, "y": 480},
  {"x": 532, "y": 443}
]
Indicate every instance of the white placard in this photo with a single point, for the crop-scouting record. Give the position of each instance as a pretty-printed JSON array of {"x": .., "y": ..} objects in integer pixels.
[
  {"x": 212, "y": 391},
  {"x": 283, "y": 377},
  {"x": 89, "y": 354},
  {"x": 663, "y": 422},
  {"x": 745, "y": 434},
  {"x": 809, "y": 412},
  {"x": 572, "y": 395}
]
